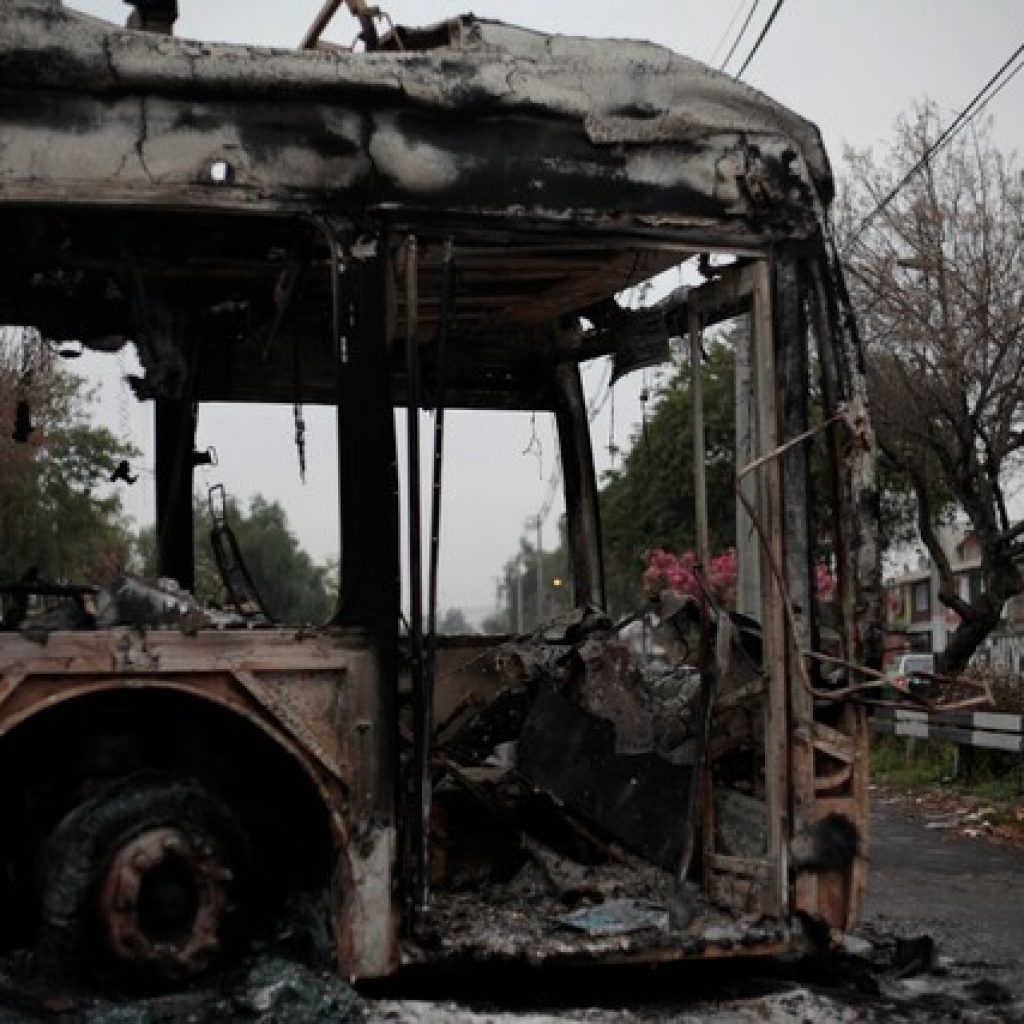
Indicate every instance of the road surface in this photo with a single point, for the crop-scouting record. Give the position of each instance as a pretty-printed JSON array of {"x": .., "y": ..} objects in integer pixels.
[{"x": 968, "y": 893}]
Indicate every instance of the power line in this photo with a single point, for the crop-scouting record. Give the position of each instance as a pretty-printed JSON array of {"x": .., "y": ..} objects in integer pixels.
[
  {"x": 594, "y": 407},
  {"x": 728, "y": 29},
  {"x": 760, "y": 38},
  {"x": 998, "y": 89},
  {"x": 976, "y": 105},
  {"x": 743, "y": 29},
  {"x": 552, "y": 489}
]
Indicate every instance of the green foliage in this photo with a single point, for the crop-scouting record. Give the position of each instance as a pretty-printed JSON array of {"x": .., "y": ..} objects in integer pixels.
[
  {"x": 914, "y": 764},
  {"x": 454, "y": 623},
  {"x": 293, "y": 587},
  {"x": 649, "y": 502},
  {"x": 911, "y": 764},
  {"x": 56, "y": 512},
  {"x": 519, "y": 575}
]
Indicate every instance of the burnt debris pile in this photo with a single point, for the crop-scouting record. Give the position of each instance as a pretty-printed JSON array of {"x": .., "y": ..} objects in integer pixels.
[{"x": 573, "y": 791}]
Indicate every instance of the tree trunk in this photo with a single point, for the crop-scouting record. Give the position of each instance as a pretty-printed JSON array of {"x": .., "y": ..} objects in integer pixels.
[{"x": 1003, "y": 580}]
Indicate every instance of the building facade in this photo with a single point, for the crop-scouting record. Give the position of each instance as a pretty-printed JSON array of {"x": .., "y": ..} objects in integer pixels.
[{"x": 916, "y": 620}]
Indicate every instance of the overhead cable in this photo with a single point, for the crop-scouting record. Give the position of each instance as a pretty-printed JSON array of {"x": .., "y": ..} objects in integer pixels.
[
  {"x": 728, "y": 30},
  {"x": 976, "y": 105},
  {"x": 739, "y": 36},
  {"x": 760, "y": 38}
]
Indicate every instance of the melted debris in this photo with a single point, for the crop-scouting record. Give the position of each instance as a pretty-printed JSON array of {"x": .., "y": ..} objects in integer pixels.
[
  {"x": 881, "y": 978},
  {"x": 869, "y": 986},
  {"x": 581, "y": 767},
  {"x": 263, "y": 988},
  {"x": 607, "y": 742}
]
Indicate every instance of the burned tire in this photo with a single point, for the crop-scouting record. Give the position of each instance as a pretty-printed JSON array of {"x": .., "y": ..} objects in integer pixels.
[{"x": 140, "y": 884}]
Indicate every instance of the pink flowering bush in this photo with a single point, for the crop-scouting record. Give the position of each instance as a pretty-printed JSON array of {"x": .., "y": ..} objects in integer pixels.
[
  {"x": 824, "y": 582},
  {"x": 666, "y": 570}
]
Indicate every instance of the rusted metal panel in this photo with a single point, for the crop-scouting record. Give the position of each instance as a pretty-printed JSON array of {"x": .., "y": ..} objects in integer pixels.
[
  {"x": 180, "y": 123},
  {"x": 315, "y": 696}
]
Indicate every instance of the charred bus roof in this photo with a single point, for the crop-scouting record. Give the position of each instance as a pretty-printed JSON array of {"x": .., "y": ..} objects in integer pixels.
[{"x": 144, "y": 172}]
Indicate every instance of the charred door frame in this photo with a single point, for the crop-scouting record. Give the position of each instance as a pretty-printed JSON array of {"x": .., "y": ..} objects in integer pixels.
[
  {"x": 813, "y": 769},
  {"x": 746, "y": 289},
  {"x": 581, "y": 498}
]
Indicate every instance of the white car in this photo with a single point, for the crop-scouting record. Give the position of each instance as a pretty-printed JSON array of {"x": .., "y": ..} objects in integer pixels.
[{"x": 901, "y": 671}]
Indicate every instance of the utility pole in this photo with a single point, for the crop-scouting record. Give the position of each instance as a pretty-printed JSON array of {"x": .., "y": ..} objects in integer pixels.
[
  {"x": 536, "y": 522},
  {"x": 519, "y": 594}
]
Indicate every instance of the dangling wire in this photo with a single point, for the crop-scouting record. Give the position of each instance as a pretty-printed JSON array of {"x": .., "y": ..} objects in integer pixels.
[
  {"x": 613, "y": 448},
  {"x": 297, "y": 412},
  {"x": 645, "y": 395},
  {"x": 300, "y": 439},
  {"x": 534, "y": 446},
  {"x": 124, "y": 421}
]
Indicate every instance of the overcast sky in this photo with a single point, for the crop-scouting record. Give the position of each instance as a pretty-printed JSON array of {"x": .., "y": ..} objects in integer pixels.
[{"x": 851, "y": 66}]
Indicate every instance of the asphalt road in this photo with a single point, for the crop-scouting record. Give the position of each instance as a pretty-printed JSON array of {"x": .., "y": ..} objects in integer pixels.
[{"x": 967, "y": 893}]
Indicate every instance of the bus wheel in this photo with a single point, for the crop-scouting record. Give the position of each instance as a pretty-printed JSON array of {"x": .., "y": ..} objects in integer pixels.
[{"x": 140, "y": 882}]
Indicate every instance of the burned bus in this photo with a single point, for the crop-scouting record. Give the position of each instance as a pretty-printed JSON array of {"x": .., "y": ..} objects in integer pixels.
[{"x": 443, "y": 220}]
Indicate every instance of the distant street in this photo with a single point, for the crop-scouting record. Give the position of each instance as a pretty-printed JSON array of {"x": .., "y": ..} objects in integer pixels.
[{"x": 968, "y": 893}]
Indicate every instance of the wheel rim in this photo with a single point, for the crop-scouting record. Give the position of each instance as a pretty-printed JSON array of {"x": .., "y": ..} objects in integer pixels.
[{"x": 163, "y": 901}]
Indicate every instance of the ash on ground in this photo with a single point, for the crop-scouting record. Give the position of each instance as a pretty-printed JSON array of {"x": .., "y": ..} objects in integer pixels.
[
  {"x": 262, "y": 988},
  {"x": 877, "y": 978}
]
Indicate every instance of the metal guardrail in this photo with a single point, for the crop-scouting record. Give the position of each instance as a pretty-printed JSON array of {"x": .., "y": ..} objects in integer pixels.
[{"x": 989, "y": 729}]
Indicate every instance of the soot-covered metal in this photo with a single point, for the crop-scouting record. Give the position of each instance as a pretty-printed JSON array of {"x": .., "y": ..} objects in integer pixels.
[{"x": 305, "y": 226}]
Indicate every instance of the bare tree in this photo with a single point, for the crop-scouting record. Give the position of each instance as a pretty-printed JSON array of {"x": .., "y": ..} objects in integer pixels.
[{"x": 937, "y": 278}]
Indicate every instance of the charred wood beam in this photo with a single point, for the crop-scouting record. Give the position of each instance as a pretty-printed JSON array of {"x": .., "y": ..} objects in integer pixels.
[
  {"x": 794, "y": 389},
  {"x": 724, "y": 297},
  {"x": 440, "y": 399},
  {"x": 175, "y": 430},
  {"x": 369, "y": 596},
  {"x": 792, "y": 363},
  {"x": 368, "y": 488},
  {"x": 581, "y": 499},
  {"x": 421, "y": 698}
]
